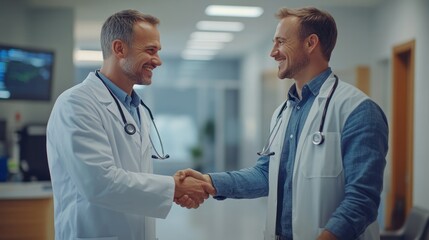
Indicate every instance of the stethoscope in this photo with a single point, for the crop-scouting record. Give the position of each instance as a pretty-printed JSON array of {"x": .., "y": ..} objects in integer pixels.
[
  {"x": 317, "y": 137},
  {"x": 130, "y": 129}
]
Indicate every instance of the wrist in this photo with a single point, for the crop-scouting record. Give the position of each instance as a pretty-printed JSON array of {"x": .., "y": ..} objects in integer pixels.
[
  {"x": 177, "y": 190},
  {"x": 208, "y": 180}
]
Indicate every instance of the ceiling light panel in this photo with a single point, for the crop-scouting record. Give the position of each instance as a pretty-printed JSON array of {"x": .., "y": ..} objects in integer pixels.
[
  {"x": 212, "y": 36},
  {"x": 199, "y": 52},
  {"x": 220, "y": 26},
  {"x": 233, "y": 11},
  {"x": 205, "y": 45},
  {"x": 197, "y": 57}
]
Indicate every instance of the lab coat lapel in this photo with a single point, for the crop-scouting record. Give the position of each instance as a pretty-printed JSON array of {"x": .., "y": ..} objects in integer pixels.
[
  {"x": 102, "y": 94},
  {"x": 282, "y": 131},
  {"x": 274, "y": 171}
]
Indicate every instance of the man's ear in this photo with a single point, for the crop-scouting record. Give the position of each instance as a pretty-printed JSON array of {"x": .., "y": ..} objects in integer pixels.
[
  {"x": 311, "y": 42},
  {"x": 119, "y": 48}
]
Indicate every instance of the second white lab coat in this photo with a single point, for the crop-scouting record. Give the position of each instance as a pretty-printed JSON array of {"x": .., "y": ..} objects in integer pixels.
[
  {"x": 102, "y": 177},
  {"x": 317, "y": 186}
]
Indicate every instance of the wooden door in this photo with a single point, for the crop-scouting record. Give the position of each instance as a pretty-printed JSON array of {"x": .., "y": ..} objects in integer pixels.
[{"x": 400, "y": 197}]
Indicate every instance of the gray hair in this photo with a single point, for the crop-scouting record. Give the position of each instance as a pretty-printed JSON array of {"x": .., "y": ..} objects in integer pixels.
[{"x": 120, "y": 26}]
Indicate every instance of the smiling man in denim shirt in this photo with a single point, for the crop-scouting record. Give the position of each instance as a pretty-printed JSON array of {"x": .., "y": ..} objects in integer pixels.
[{"x": 323, "y": 168}]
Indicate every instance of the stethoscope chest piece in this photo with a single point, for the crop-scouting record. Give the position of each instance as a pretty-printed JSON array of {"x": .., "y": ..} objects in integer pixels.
[
  {"x": 130, "y": 129},
  {"x": 318, "y": 138}
]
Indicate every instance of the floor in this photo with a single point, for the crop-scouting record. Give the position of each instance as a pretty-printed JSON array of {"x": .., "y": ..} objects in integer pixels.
[{"x": 215, "y": 220}]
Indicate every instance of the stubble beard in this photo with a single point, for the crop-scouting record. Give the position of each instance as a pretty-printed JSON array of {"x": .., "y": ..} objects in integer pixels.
[
  {"x": 298, "y": 64},
  {"x": 127, "y": 68}
]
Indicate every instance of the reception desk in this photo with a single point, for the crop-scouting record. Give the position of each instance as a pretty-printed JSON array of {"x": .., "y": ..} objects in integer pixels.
[{"x": 26, "y": 211}]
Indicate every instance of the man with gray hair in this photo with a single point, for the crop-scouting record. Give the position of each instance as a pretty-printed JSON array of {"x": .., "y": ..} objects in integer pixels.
[{"x": 99, "y": 144}]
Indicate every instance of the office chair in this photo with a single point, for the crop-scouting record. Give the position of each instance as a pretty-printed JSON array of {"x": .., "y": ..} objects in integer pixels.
[{"x": 416, "y": 227}]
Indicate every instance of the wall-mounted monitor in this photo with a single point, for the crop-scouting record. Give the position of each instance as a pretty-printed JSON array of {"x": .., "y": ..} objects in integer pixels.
[{"x": 25, "y": 73}]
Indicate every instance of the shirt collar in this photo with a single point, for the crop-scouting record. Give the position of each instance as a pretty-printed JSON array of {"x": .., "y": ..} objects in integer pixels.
[
  {"x": 133, "y": 100},
  {"x": 312, "y": 86}
]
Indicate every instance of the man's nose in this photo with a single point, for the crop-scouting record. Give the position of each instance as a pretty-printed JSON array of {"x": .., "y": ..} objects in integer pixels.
[
  {"x": 274, "y": 52},
  {"x": 157, "y": 60}
]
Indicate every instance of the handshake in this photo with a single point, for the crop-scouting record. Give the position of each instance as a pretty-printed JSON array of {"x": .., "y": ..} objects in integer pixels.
[{"x": 192, "y": 188}]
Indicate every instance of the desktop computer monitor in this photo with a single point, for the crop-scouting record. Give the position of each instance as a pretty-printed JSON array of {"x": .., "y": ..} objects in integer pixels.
[{"x": 33, "y": 157}]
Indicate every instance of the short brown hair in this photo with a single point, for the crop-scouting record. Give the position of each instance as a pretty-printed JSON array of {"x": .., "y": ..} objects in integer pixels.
[
  {"x": 314, "y": 21},
  {"x": 120, "y": 26}
]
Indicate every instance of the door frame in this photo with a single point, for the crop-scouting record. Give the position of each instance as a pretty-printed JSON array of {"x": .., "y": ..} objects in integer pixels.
[{"x": 400, "y": 198}]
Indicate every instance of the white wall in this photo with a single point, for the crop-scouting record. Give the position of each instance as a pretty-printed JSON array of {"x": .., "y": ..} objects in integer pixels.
[
  {"x": 354, "y": 37},
  {"x": 26, "y": 26}
]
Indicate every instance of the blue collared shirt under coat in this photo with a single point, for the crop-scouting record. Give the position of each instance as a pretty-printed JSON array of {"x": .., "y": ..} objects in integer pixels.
[
  {"x": 367, "y": 118},
  {"x": 131, "y": 103}
]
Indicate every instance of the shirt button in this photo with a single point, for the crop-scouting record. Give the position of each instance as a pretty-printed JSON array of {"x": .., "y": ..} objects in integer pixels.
[
  {"x": 298, "y": 107},
  {"x": 291, "y": 136}
]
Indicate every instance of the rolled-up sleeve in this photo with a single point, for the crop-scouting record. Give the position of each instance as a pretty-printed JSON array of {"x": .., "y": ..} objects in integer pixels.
[
  {"x": 245, "y": 183},
  {"x": 364, "y": 147}
]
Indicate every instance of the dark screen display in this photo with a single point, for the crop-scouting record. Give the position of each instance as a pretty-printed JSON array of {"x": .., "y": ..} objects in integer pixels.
[{"x": 25, "y": 74}]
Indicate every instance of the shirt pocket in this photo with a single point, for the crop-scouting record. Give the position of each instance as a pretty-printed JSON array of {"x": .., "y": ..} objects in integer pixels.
[{"x": 324, "y": 160}]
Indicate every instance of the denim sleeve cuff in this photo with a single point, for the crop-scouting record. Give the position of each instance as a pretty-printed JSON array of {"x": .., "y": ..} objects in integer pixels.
[
  {"x": 223, "y": 187},
  {"x": 340, "y": 229}
]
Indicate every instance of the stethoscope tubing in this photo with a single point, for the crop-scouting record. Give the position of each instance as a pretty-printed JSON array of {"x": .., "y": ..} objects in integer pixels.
[{"x": 130, "y": 129}]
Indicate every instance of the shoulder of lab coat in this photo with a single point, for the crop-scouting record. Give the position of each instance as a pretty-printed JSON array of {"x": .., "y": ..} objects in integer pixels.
[{"x": 80, "y": 145}]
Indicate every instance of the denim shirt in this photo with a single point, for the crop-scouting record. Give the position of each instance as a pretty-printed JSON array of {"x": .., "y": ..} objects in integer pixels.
[
  {"x": 358, "y": 163},
  {"x": 300, "y": 109},
  {"x": 131, "y": 103}
]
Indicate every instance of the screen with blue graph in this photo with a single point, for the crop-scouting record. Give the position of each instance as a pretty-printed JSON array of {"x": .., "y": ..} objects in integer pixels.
[{"x": 25, "y": 73}]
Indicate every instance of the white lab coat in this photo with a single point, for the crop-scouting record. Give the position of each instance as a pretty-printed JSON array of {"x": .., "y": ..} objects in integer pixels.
[
  {"x": 316, "y": 190},
  {"x": 102, "y": 177}
]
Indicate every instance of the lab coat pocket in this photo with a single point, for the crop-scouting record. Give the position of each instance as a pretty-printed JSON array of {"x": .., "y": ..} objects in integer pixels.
[{"x": 323, "y": 160}]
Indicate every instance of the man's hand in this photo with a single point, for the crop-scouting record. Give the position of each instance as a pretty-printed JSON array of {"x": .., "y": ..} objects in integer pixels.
[
  {"x": 191, "y": 191},
  {"x": 195, "y": 174},
  {"x": 191, "y": 176}
]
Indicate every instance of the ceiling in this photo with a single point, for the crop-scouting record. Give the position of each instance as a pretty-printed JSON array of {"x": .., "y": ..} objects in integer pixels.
[{"x": 179, "y": 17}]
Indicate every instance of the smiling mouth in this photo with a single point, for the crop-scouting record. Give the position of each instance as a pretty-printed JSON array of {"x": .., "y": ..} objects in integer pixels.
[{"x": 149, "y": 68}]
